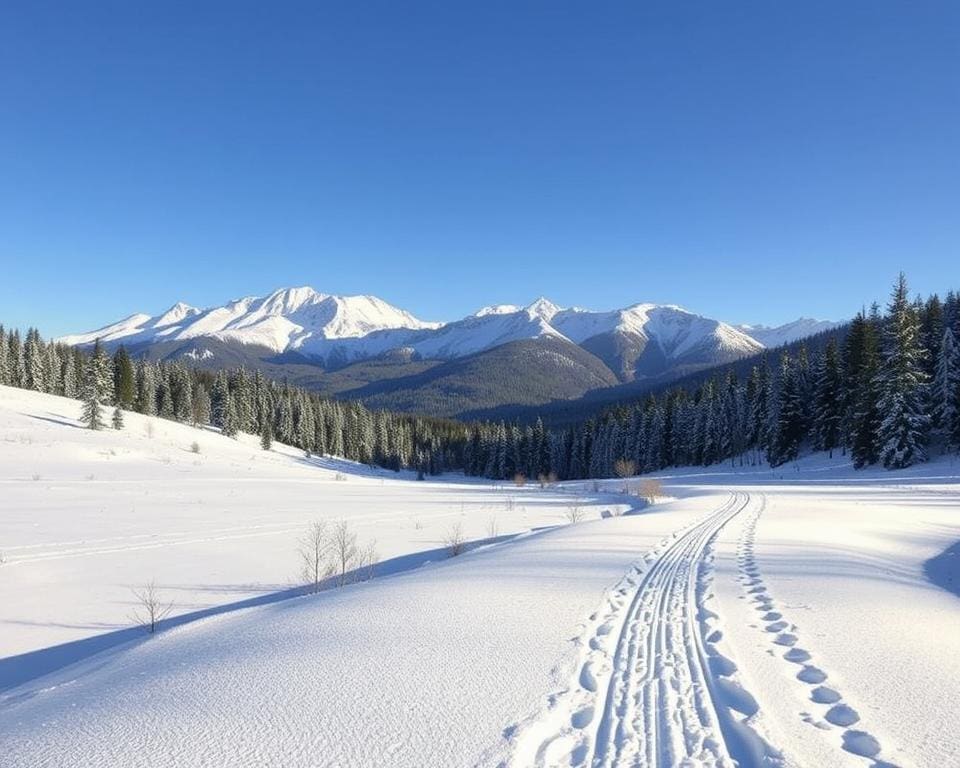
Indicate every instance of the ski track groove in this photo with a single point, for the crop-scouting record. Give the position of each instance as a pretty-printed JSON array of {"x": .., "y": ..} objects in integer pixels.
[
  {"x": 654, "y": 692},
  {"x": 784, "y": 637}
]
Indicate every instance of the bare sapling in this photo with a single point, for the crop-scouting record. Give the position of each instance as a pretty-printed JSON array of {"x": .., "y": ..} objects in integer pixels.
[
  {"x": 343, "y": 552},
  {"x": 574, "y": 512},
  {"x": 454, "y": 540},
  {"x": 367, "y": 561},
  {"x": 493, "y": 527},
  {"x": 313, "y": 555},
  {"x": 150, "y": 608}
]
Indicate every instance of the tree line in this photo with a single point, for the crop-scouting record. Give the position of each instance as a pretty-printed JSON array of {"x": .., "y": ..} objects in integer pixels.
[
  {"x": 232, "y": 400},
  {"x": 882, "y": 393}
]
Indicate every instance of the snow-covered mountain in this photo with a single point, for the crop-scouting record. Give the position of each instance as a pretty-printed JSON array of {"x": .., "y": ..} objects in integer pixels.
[
  {"x": 637, "y": 340},
  {"x": 287, "y": 319},
  {"x": 777, "y": 336}
]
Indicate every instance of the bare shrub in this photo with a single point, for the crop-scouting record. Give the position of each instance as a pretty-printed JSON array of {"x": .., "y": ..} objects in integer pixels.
[
  {"x": 417, "y": 524},
  {"x": 624, "y": 468},
  {"x": 195, "y": 447},
  {"x": 651, "y": 489},
  {"x": 150, "y": 608},
  {"x": 519, "y": 480},
  {"x": 36, "y": 477},
  {"x": 574, "y": 513},
  {"x": 509, "y": 503},
  {"x": 313, "y": 555},
  {"x": 454, "y": 540},
  {"x": 340, "y": 477},
  {"x": 493, "y": 527}
]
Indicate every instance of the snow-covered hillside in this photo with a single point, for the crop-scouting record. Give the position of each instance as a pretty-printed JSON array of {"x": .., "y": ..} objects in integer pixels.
[
  {"x": 803, "y": 616},
  {"x": 88, "y": 515},
  {"x": 350, "y": 328}
]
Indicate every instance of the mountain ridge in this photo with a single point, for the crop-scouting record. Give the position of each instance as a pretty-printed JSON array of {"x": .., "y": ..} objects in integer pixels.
[{"x": 362, "y": 346}]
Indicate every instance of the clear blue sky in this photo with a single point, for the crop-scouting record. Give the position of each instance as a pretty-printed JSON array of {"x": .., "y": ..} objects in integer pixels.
[{"x": 751, "y": 161}]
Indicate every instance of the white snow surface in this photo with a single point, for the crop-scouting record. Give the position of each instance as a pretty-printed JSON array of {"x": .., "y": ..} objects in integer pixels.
[{"x": 768, "y": 617}]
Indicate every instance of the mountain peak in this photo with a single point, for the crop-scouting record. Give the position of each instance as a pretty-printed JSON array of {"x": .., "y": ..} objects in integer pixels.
[{"x": 542, "y": 308}]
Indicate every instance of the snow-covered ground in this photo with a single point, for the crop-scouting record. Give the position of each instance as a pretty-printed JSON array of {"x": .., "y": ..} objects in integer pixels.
[
  {"x": 758, "y": 617},
  {"x": 88, "y": 515}
]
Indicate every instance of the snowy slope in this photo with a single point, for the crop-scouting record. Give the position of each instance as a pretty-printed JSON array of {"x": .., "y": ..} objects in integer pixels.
[
  {"x": 776, "y": 336},
  {"x": 765, "y": 616},
  {"x": 86, "y": 515}
]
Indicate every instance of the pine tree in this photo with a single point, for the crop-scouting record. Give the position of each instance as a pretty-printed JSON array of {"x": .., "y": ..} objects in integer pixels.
[
  {"x": 828, "y": 405},
  {"x": 34, "y": 362},
  {"x": 4, "y": 358},
  {"x": 117, "y": 419},
  {"x": 103, "y": 369},
  {"x": 230, "y": 420},
  {"x": 903, "y": 429},
  {"x": 124, "y": 379},
  {"x": 946, "y": 389},
  {"x": 92, "y": 393},
  {"x": 18, "y": 370},
  {"x": 788, "y": 426},
  {"x": 266, "y": 436},
  {"x": 863, "y": 391}
]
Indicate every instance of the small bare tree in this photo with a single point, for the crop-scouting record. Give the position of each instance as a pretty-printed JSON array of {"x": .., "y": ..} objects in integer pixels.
[
  {"x": 454, "y": 540},
  {"x": 150, "y": 608},
  {"x": 574, "y": 513},
  {"x": 344, "y": 552},
  {"x": 493, "y": 527},
  {"x": 651, "y": 489},
  {"x": 313, "y": 555},
  {"x": 624, "y": 468},
  {"x": 367, "y": 561},
  {"x": 519, "y": 480}
]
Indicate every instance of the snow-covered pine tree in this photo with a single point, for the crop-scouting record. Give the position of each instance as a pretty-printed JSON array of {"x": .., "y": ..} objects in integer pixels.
[
  {"x": 146, "y": 388},
  {"x": 54, "y": 369},
  {"x": 117, "y": 419},
  {"x": 92, "y": 413},
  {"x": 104, "y": 371},
  {"x": 18, "y": 370},
  {"x": 946, "y": 389},
  {"x": 787, "y": 416},
  {"x": 266, "y": 435},
  {"x": 230, "y": 419},
  {"x": 862, "y": 361},
  {"x": 828, "y": 400},
  {"x": 4, "y": 358},
  {"x": 904, "y": 421},
  {"x": 201, "y": 405}
]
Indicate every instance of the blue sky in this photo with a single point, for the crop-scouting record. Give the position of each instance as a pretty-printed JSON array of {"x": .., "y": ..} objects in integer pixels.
[{"x": 750, "y": 161}]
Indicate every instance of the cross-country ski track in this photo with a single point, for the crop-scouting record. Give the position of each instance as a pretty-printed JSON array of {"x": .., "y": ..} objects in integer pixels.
[{"x": 653, "y": 689}]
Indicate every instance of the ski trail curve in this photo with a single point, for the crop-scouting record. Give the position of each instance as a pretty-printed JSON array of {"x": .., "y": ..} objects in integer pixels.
[{"x": 652, "y": 689}]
